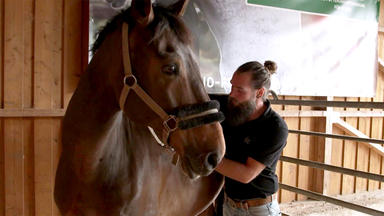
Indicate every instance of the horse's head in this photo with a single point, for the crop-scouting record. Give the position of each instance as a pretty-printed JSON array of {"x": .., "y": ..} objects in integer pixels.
[{"x": 162, "y": 84}]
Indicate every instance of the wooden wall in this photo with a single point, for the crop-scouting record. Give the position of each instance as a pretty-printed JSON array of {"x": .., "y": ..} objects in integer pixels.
[
  {"x": 43, "y": 49},
  {"x": 348, "y": 154},
  {"x": 40, "y": 52}
]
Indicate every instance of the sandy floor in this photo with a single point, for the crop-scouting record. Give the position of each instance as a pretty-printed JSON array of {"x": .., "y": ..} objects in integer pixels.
[{"x": 373, "y": 200}]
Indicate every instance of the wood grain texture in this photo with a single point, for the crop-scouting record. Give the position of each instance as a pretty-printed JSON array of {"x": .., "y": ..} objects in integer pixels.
[
  {"x": 43, "y": 166},
  {"x": 1, "y": 54},
  {"x": 363, "y": 151},
  {"x": 72, "y": 56},
  {"x": 2, "y": 169},
  {"x": 13, "y": 167},
  {"x": 349, "y": 157},
  {"x": 29, "y": 167},
  {"x": 48, "y": 51},
  {"x": 305, "y": 147},
  {"x": 289, "y": 170}
]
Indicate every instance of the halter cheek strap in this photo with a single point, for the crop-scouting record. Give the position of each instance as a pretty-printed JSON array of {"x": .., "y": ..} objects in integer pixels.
[
  {"x": 183, "y": 118},
  {"x": 130, "y": 83}
]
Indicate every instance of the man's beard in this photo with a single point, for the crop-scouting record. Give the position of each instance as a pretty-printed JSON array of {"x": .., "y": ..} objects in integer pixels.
[{"x": 239, "y": 114}]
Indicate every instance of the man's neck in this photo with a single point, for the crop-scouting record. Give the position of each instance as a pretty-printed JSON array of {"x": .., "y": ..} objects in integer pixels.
[{"x": 259, "y": 110}]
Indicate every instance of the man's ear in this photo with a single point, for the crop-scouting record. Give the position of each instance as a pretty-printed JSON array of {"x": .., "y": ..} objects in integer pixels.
[
  {"x": 142, "y": 11},
  {"x": 260, "y": 92},
  {"x": 179, "y": 7}
]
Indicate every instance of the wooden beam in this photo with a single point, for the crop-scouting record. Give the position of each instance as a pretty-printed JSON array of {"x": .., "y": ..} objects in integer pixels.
[
  {"x": 353, "y": 131},
  {"x": 31, "y": 113},
  {"x": 328, "y": 147},
  {"x": 381, "y": 65}
]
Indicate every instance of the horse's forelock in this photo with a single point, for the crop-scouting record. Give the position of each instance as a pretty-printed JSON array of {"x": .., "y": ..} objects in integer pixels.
[{"x": 165, "y": 20}]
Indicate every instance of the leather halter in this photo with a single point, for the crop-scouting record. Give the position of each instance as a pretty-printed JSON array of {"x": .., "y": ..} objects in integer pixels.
[{"x": 170, "y": 122}]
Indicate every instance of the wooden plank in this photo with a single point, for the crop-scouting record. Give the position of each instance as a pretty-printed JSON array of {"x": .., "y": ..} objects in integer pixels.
[
  {"x": 336, "y": 160},
  {"x": 349, "y": 157},
  {"x": 352, "y": 131},
  {"x": 375, "y": 158},
  {"x": 289, "y": 171},
  {"x": 48, "y": 46},
  {"x": 337, "y": 153},
  {"x": 28, "y": 31},
  {"x": 279, "y": 176},
  {"x": 29, "y": 186},
  {"x": 363, "y": 155},
  {"x": 84, "y": 34},
  {"x": 13, "y": 53},
  {"x": 56, "y": 150},
  {"x": 328, "y": 146},
  {"x": 1, "y": 54},
  {"x": 305, "y": 147},
  {"x": 2, "y": 169},
  {"x": 43, "y": 167},
  {"x": 13, "y": 98},
  {"x": 13, "y": 167},
  {"x": 72, "y": 48},
  {"x": 318, "y": 155},
  {"x": 47, "y": 95},
  {"x": 29, "y": 112}
]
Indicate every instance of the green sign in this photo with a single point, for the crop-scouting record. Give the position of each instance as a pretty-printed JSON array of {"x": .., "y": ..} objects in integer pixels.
[{"x": 356, "y": 9}]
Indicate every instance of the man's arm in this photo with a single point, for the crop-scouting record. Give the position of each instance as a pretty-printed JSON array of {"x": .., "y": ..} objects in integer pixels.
[{"x": 243, "y": 173}]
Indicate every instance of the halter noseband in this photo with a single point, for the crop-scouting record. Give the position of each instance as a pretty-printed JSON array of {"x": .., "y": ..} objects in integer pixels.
[{"x": 183, "y": 118}]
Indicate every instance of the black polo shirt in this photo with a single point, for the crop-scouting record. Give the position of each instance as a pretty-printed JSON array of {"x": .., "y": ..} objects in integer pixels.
[{"x": 262, "y": 139}]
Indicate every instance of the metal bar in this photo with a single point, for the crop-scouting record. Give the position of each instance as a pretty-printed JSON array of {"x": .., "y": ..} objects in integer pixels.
[
  {"x": 323, "y": 166},
  {"x": 320, "y": 103},
  {"x": 318, "y": 113},
  {"x": 332, "y": 200},
  {"x": 337, "y": 136}
]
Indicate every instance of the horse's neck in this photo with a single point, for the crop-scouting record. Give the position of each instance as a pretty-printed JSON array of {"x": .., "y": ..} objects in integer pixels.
[{"x": 92, "y": 108}]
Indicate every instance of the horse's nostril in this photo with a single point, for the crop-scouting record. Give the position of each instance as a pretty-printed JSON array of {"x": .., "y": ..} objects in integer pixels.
[{"x": 212, "y": 160}]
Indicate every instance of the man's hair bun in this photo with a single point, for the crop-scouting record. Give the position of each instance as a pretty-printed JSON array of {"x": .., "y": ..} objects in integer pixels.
[{"x": 271, "y": 66}]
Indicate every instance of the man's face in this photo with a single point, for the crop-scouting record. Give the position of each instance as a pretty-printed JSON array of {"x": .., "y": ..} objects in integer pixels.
[
  {"x": 242, "y": 99},
  {"x": 241, "y": 89}
]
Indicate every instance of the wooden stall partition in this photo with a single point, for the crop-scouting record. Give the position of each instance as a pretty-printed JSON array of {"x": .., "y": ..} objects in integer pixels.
[
  {"x": 47, "y": 95},
  {"x": 289, "y": 170},
  {"x": 13, "y": 99},
  {"x": 306, "y": 149},
  {"x": 337, "y": 154},
  {"x": 380, "y": 83},
  {"x": 41, "y": 58}
]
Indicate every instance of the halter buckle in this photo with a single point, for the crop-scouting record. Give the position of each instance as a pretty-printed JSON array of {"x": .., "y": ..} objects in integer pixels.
[
  {"x": 130, "y": 80},
  {"x": 171, "y": 123}
]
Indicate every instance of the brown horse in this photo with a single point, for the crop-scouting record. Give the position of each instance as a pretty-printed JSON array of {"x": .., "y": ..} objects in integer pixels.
[{"x": 141, "y": 90}]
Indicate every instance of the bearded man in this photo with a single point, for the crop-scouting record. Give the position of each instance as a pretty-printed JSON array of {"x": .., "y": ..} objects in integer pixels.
[{"x": 255, "y": 136}]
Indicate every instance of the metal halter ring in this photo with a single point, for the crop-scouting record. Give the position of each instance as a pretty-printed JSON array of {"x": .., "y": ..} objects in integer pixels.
[
  {"x": 170, "y": 123},
  {"x": 130, "y": 80}
]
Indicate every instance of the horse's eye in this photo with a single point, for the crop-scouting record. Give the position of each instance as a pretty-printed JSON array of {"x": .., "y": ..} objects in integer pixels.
[{"x": 171, "y": 69}]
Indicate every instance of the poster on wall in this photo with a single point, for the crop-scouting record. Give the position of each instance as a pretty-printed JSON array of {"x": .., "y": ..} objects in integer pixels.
[{"x": 321, "y": 47}]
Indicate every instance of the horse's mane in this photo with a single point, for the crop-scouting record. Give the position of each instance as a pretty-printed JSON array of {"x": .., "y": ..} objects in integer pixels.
[{"x": 163, "y": 19}]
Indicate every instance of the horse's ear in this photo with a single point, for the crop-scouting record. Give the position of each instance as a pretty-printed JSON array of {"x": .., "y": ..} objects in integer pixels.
[
  {"x": 142, "y": 11},
  {"x": 179, "y": 7}
]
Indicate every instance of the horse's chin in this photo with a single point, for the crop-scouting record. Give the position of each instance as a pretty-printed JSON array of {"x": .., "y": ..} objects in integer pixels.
[{"x": 188, "y": 171}]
